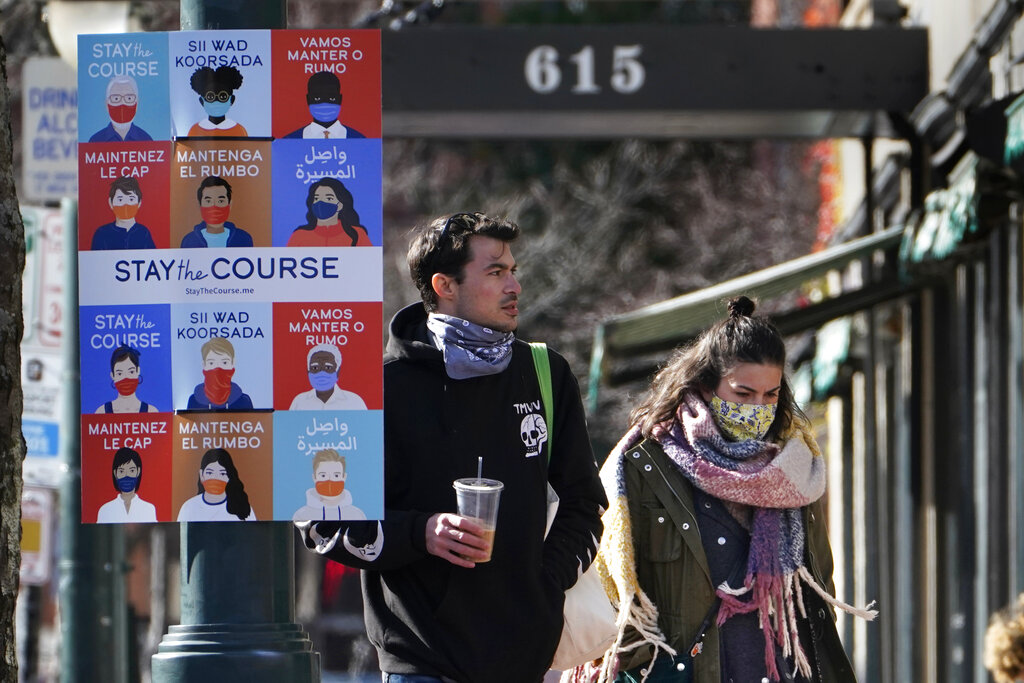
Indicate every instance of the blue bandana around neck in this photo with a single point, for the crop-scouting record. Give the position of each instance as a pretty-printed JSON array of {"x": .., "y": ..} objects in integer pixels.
[{"x": 470, "y": 350}]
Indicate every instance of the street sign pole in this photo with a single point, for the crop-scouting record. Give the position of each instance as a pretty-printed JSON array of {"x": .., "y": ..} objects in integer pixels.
[{"x": 237, "y": 580}]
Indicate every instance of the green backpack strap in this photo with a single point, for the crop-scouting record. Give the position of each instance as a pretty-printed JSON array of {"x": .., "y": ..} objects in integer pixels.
[{"x": 543, "y": 368}]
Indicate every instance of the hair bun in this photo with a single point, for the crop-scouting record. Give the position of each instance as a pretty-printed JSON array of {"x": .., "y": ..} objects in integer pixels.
[{"x": 741, "y": 306}]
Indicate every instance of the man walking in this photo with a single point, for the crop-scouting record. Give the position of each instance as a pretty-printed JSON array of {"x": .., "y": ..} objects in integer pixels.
[{"x": 459, "y": 386}]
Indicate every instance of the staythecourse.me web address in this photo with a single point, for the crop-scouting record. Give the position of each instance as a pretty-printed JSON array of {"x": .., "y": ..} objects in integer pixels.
[{"x": 218, "y": 291}]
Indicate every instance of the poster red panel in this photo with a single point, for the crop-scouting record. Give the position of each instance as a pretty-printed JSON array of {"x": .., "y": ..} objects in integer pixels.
[
  {"x": 111, "y": 443},
  {"x": 123, "y": 195},
  {"x": 331, "y": 77},
  {"x": 351, "y": 330}
]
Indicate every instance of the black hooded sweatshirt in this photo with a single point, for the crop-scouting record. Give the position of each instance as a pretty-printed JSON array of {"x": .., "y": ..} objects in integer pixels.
[{"x": 500, "y": 621}]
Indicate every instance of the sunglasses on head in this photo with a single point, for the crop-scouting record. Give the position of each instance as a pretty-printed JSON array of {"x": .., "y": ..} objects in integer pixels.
[
  {"x": 444, "y": 234},
  {"x": 448, "y": 225}
]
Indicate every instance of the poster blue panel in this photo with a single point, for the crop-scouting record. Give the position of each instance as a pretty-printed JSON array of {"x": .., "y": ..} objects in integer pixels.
[
  {"x": 126, "y": 358},
  {"x": 221, "y": 353},
  {"x": 220, "y": 83},
  {"x": 123, "y": 91},
  {"x": 327, "y": 193},
  {"x": 329, "y": 447}
]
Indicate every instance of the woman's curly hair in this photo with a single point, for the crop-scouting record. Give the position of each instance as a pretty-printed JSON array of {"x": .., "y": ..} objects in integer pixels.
[{"x": 1004, "y": 644}]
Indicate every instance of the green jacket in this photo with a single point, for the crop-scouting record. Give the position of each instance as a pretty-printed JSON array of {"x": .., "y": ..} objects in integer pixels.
[{"x": 673, "y": 570}]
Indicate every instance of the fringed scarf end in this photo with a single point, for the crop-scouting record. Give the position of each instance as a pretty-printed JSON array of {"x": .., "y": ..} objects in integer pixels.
[{"x": 866, "y": 613}]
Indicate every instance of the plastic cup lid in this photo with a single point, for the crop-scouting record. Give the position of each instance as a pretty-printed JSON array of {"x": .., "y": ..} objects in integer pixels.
[{"x": 473, "y": 483}]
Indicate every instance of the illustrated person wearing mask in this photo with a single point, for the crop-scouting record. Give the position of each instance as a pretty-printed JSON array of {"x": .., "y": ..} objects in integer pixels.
[
  {"x": 124, "y": 200},
  {"x": 122, "y": 105},
  {"x": 216, "y": 89},
  {"x": 715, "y": 536},
  {"x": 215, "y": 230},
  {"x": 125, "y": 377},
  {"x": 323, "y": 363},
  {"x": 323, "y": 95},
  {"x": 126, "y": 472},
  {"x": 331, "y": 218},
  {"x": 458, "y": 385},
  {"x": 217, "y": 391},
  {"x": 328, "y": 498},
  {"x": 220, "y": 493}
]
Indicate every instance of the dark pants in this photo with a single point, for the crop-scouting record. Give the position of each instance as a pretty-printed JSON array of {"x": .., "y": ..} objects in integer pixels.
[{"x": 409, "y": 678}]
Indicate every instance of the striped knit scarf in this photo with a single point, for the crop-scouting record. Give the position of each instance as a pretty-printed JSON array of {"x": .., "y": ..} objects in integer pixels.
[{"x": 776, "y": 481}]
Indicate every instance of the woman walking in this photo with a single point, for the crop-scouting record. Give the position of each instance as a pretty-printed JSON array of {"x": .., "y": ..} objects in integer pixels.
[{"x": 715, "y": 546}]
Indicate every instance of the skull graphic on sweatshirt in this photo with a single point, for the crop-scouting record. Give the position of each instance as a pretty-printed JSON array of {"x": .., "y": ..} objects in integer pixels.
[{"x": 534, "y": 432}]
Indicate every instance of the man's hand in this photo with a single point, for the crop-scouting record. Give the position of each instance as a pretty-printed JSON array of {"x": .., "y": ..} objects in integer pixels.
[{"x": 457, "y": 539}]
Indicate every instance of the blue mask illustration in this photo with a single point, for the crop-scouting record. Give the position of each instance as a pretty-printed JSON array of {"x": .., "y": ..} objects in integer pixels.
[
  {"x": 322, "y": 381},
  {"x": 324, "y": 210},
  {"x": 126, "y": 484},
  {"x": 325, "y": 111},
  {"x": 217, "y": 108}
]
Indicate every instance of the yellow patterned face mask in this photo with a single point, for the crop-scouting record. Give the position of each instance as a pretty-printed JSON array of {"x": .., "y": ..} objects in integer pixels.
[{"x": 742, "y": 421}]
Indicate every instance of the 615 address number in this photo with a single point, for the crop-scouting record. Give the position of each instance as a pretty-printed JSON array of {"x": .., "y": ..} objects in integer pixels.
[{"x": 544, "y": 74}]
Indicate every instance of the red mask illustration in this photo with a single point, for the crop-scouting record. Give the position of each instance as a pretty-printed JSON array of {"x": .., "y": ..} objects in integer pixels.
[
  {"x": 215, "y": 215},
  {"x": 126, "y": 386},
  {"x": 217, "y": 384},
  {"x": 121, "y": 113}
]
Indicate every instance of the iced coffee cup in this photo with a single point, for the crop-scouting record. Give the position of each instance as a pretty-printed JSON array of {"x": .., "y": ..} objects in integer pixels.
[{"x": 477, "y": 499}]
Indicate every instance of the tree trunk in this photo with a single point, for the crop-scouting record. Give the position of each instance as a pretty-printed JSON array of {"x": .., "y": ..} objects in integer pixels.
[{"x": 12, "y": 445}]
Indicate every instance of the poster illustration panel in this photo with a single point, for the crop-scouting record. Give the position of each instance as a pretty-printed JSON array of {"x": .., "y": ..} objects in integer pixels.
[
  {"x": 327, "y": 194},
  {"x": 220, "y": 194},
  {"x": 123, "y": 200},
  {"x": 123, "y": 93},
  {"x": 126, "y": 468},
  {"x": 126, "y": 358},
  {"x": 222, "y": 467},
  {"x": 327, "y": 84},
  {"x": 220, "y": 354},
  {"x": 328, "y": 356},
  {"x": 220, "y": 83},
  {"x": 328, "y": 465}
]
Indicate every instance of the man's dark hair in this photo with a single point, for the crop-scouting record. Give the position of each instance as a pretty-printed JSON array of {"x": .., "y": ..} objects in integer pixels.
[
  {"x": 434, "y": 249},
  {"x": 212, "y": 181},
  {"x": 323, "y": 86},
  {"x": 126, "y": 185}
]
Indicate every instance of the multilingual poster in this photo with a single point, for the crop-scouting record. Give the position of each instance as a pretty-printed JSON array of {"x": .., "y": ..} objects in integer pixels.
[{"x": 230, "y": 276}]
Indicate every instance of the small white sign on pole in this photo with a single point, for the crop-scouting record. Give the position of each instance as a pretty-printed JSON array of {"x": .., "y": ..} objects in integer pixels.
[
  {"x": 37, "y": 517},
  {"x": 49, "y": 129},
  {"x": 42, "y": 347}
]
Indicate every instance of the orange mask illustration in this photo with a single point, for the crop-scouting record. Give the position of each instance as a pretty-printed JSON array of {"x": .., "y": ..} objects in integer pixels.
[
  {"x": 330, "y": 489},
  {"x": 215, "y": 487},
  {"x": 125, "y": 211}
]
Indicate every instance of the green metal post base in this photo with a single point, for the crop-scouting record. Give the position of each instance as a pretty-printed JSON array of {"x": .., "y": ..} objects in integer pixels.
[
  {"x": 237, "y": 609},
  {"x": 226, "y": 653}
]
